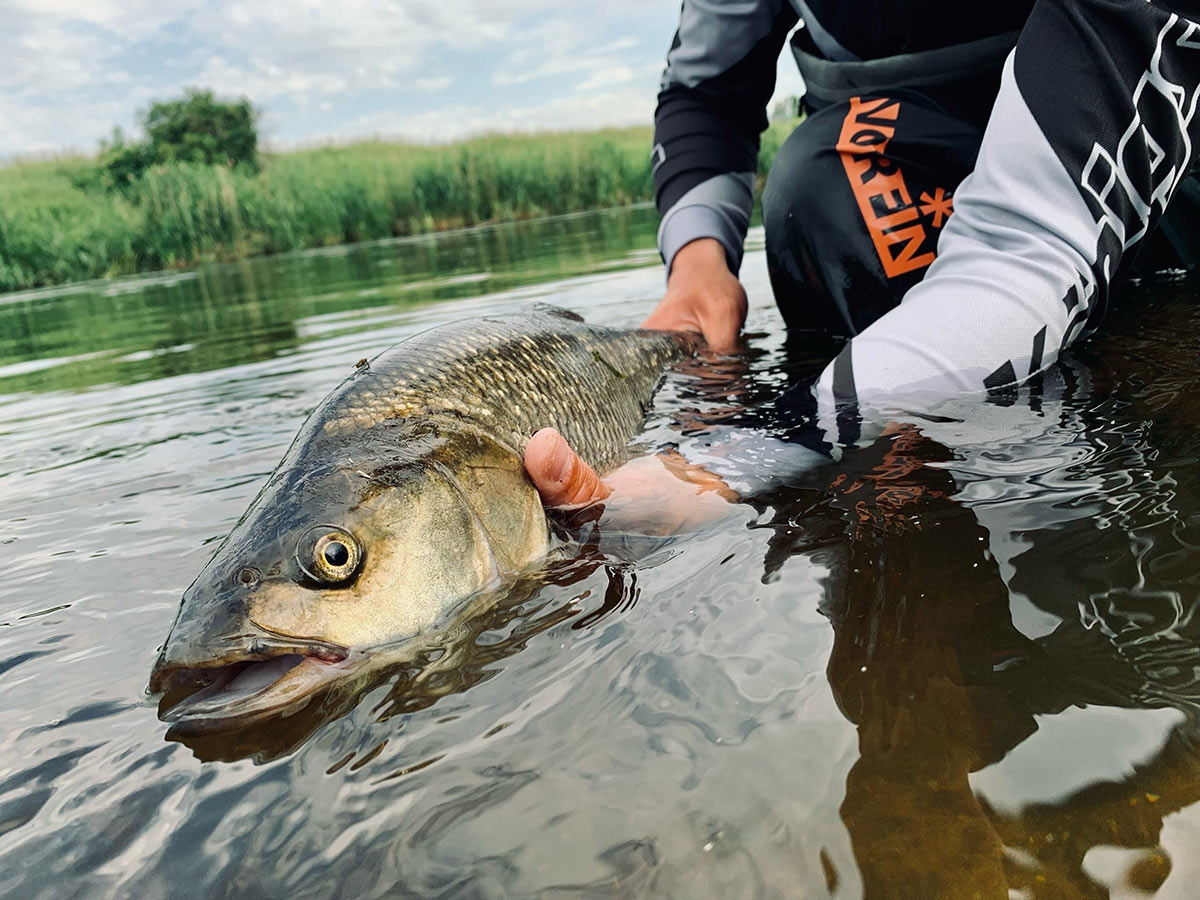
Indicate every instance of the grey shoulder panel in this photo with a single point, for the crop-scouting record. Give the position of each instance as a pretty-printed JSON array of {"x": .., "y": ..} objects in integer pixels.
[{"x": 714, "y": 36}]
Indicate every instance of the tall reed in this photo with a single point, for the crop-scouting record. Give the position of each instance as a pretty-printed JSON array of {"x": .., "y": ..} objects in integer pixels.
[{"x": 58, "y": 223}]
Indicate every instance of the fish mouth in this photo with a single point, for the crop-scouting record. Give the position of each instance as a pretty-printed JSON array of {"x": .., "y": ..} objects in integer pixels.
[{"x": 233, "y": 693}]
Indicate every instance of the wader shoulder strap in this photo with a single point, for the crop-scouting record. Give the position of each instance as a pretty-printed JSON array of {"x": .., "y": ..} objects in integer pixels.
[{"x": 829, "y": 81}]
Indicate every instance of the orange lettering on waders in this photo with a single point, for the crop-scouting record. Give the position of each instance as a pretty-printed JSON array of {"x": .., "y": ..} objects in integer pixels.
[{"x": 887, "y": 208}]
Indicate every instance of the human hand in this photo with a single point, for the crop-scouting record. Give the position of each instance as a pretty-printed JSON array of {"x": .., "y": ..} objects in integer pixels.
[
  {"x": 702, "y": 295},
  {"x": 658, "y": 494}
]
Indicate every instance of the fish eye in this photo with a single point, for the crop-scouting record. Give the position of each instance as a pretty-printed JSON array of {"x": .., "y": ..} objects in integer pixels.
[{"x": 329, "y": 554}]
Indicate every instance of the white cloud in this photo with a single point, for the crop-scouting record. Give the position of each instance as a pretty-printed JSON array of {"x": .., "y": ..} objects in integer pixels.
[
  {"x": 63, "y": 84},
  {"x": 619, "y": 44},
  {"x": 370, "y": 43},
  {"x": 356, "y": 42},
  {"x": 628, "y": 107},
  {"x": 561, "y": 47},
  {"x": 34, "y": 129},
  {"x": 125, "y": 22},
  {"x": 433, "y": 85},
  {"x": 330, "y": 69},
  {"x": 606, "y": 78},
  {"x": 265, "y": 81}
]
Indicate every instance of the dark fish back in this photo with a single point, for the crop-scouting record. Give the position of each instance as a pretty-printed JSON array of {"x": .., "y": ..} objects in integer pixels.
[{"x": 511, "y": 375}]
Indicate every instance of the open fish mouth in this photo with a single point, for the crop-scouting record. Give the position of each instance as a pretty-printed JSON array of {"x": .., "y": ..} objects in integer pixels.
[{"x": 236, "y": 694}]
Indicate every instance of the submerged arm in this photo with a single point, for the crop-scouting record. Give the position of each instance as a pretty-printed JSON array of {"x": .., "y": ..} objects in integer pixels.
[{"x": 655, "y": 494}]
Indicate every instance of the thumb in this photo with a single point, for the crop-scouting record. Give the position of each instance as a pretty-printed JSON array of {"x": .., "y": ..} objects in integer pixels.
[
  {"x": 722, "y": 325},
  {"x": 559, "y": 474}
]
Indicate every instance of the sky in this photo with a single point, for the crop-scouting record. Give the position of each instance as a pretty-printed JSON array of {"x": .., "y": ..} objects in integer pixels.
[{"x": 332, "y": 70}]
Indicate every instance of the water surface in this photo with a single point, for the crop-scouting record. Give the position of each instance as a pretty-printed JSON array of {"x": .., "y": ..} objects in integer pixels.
[{"x": 963, "y": 661}]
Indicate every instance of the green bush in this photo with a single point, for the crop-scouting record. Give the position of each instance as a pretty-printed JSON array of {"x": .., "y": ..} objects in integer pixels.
[
  {"x": 200, "y": 129},
  {"x": 122, "y": 161},
  {"x": 196, "y": 128}
]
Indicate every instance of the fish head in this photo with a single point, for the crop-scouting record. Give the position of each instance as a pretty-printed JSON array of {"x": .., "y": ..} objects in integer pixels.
[{"x": 337, "y": 559}]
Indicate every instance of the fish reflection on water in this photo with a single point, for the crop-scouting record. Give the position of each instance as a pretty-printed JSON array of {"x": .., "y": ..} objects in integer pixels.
[{"x": 961, "y": 660}]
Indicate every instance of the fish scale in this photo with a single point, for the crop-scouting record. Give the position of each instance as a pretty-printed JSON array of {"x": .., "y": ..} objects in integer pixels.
[{"x": 511, "y": 375}]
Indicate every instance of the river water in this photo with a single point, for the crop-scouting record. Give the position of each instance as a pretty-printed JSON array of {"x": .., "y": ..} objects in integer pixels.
[{"x": 961, "y": 662}]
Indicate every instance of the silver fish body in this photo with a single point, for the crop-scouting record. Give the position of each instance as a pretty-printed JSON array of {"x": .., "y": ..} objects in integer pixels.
[{"x": 403, "y": 496}]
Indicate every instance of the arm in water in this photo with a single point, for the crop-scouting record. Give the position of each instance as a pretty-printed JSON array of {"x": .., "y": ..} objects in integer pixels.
[
  {"x": 1061, "y": 198},
  {"x": 668, "y": 493}
]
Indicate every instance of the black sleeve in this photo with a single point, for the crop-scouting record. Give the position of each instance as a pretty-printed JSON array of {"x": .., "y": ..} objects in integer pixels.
[
  {"x": 712, "y": 107},
  {"x": 711, "y": 110}
]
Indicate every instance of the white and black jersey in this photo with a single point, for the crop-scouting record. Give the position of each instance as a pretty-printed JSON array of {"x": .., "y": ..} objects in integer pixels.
[{"x": 1085, "y": 118}]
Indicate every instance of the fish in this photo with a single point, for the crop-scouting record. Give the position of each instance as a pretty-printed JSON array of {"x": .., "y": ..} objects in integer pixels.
[{"x": 402, "y": 500}]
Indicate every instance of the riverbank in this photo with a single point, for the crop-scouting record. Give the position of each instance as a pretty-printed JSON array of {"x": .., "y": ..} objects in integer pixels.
[{"x": 59, "y": 223}]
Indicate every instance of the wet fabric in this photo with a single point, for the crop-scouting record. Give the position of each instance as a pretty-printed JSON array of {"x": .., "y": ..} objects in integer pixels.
[{"x": 856, "y": 200}]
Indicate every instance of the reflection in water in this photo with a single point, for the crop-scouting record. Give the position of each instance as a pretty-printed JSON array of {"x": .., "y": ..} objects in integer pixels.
[
  {"x": 960, "y": 661},
  {"x": 929, "y": 666},
  {"x": 218, "y": 316}
]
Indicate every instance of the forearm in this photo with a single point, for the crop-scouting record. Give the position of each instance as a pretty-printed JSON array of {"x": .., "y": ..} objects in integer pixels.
[
  {"x": 1091, "y": 133},
  {"x": 717, "y": 208}
]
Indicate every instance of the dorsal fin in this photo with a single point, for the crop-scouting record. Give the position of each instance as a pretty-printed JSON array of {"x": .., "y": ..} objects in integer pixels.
[{"x": 551, "y": 310}]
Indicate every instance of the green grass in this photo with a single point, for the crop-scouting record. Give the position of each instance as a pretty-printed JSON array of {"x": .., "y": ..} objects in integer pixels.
[{"x": 59, "y": 224}]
